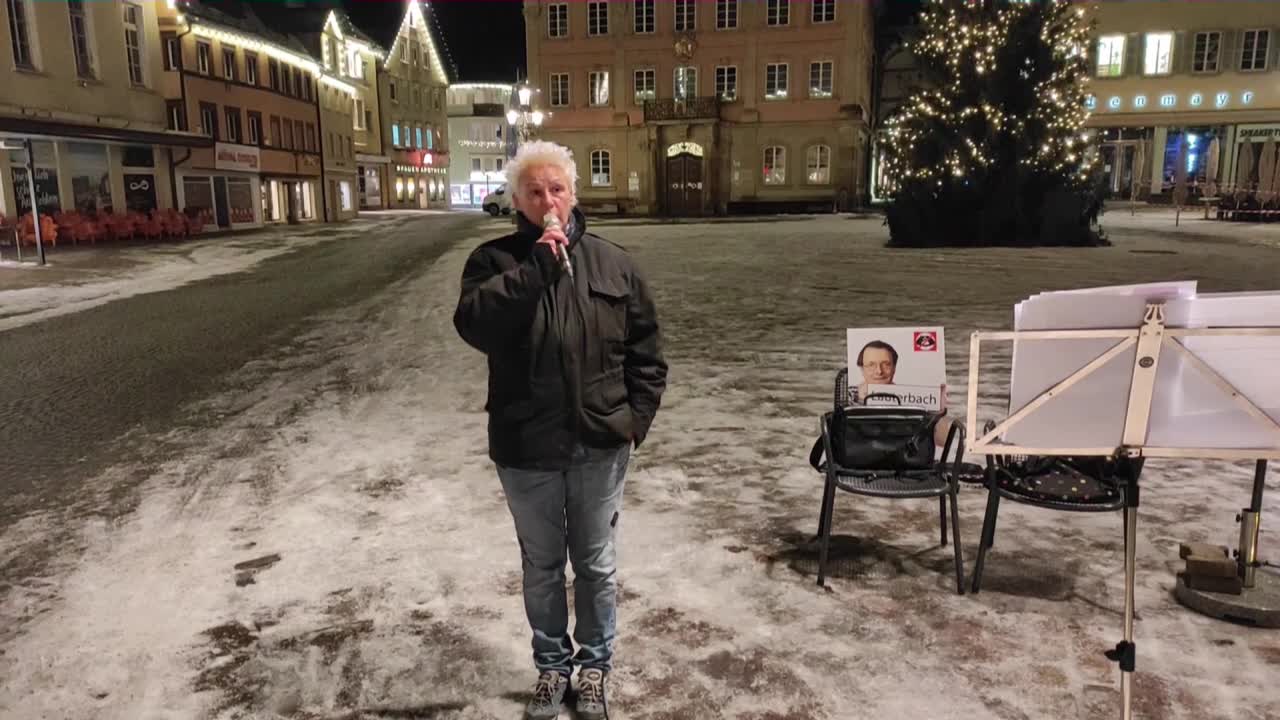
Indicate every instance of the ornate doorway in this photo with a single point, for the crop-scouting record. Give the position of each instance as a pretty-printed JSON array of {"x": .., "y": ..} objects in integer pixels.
[{"x": 684, "y": 179}]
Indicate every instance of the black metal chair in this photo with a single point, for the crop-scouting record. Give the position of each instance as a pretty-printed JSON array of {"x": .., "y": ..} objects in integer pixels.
[
  {"x": 941, "y": 481},
  {"x": 1092, "y": 484}
]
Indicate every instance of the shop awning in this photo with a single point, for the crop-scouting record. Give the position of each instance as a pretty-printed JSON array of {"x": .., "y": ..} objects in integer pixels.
[{"x": 38, "y": 128}]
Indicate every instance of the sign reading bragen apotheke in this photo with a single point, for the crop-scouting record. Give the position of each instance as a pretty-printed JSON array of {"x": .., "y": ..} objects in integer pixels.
[{"x": 236, "y": 157}]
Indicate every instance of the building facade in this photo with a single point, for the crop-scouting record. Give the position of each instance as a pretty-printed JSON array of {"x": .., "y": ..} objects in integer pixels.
[
  {"x": 412, "y": 88},
  {"x": 1197, "y": 81},
  {"x": 693, "y": 108},
  {"x": 480, "y": 140},
  {"x": 252, "y": 92},
  {"x": 355, "y": 57},
  {"x": 83, "y": 82}
]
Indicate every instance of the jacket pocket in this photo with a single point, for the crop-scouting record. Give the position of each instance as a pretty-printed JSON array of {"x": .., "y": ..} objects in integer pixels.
[
  {"x": 605, "y": 392},
  {"x": 609, "y": 307}
]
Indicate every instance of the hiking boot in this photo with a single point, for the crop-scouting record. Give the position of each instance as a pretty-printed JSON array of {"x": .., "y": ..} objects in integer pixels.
[
  {"x": 591, "y": 703},
  {"x": 548, "y": 695}
]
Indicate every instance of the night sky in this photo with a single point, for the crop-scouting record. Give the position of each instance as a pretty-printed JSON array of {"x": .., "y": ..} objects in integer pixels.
[{"x": 485, "y": 38}]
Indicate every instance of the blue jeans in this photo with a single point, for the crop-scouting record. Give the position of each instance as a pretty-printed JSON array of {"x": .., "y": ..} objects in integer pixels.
[{"x": 573, "y": 514}]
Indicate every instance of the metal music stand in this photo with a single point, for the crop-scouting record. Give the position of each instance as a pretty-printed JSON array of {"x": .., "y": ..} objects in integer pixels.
[{"x": 1149, "y": 339}]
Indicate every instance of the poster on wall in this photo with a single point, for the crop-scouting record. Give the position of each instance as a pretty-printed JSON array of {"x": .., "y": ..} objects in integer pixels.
[
  {"x": 46, "y": 190},
  {"x": 904, "y": 366},
  {"x": 140, "y": 192},
  {"x": 92, "y": 192}
]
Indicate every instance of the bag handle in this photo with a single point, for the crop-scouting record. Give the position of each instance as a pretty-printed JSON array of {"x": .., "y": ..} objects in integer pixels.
[
  {"x": 881, "y": 396},
  {"x": 815, "y": 454}
]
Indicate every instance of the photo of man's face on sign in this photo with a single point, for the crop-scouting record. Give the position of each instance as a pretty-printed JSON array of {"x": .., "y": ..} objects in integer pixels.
[{"x": 897, "y": 366}]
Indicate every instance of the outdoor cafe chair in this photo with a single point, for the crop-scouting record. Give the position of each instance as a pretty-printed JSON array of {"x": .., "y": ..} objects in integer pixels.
[{"x": 941, "y": 479}]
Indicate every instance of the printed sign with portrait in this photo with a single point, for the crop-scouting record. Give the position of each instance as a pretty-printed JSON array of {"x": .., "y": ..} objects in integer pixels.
[{"x": 904, "y": 366}]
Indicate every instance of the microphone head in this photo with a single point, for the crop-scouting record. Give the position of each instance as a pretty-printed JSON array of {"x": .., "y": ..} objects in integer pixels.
[{"x": 550, "y": 220}]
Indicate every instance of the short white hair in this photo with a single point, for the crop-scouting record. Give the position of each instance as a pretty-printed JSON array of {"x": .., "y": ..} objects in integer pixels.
[{"x": 537, "y": 153}]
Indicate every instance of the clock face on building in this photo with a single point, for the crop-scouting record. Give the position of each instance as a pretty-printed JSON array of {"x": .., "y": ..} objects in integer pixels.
[{"x": 685, "y": 47}]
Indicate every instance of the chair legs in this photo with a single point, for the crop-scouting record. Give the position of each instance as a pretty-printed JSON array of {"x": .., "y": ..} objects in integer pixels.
[
  {"x": 828, "y": 510},
  {"x": 955, "y": 539},
  {"x": 988, "y": 528},
  {"x": 824, "y": 527},
  {"x": 942, "y": 517}
]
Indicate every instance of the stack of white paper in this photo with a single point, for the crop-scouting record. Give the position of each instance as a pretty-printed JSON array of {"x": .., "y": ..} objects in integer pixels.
[{"x": 1188, "y": 409}]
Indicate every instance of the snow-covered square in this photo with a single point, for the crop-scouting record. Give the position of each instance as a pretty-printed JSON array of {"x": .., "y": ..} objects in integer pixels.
[{"x": 327, "y": 537}]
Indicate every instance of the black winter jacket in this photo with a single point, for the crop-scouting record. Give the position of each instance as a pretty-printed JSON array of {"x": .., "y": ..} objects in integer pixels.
[{"x": 570, "y": 360}]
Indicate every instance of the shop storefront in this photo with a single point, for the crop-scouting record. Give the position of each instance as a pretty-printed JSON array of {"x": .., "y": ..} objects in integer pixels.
[
  {"x": 371, "y": 170},
  {"x": 288, "y": 200},
  {"x": 88, "y": 169},
  {"x": 224, "y": 196},
  {"x": 85, "y": 177},
  {"x": 420, "y": 179}
]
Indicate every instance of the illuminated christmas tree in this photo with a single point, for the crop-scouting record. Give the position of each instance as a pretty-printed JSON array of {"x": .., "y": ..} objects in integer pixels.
[{"x": 991, "y": 150}]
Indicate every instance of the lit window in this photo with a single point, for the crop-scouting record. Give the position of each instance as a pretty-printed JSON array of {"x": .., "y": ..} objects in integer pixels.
[
  {"x": 686, "y": 82},
  {"x": 818, "y": 165},
  {"x": 727, "y": 82},
  {"x": 645, "y": 85},
  {"x": 599, "y": 82},
  {"x": 1110, "y": 56},
  {"x": 775, "y": 81},
  {"x": 600, "y": 173},
  {"x": 395, "y": 135},
  {"x": 1159, "y": 54},
  {"x": 775, "y": 165},
  {"x": 820, "y": 82}
]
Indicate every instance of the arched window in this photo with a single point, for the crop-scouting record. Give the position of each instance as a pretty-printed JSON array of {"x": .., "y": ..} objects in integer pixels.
[
  {"x": 818, "y": 165},
  {"x": 601, "y": 168},
  {"x": 775, "y": 165}
]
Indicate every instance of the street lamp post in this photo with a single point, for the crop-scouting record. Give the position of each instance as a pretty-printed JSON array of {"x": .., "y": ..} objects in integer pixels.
[{"x": 523, "y": 117}]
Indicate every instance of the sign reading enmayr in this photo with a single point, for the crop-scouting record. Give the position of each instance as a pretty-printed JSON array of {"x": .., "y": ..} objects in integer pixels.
[{"x": 1169, "y": 101}]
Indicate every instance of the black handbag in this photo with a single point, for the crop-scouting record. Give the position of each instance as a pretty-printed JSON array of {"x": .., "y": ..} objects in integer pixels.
[{"x": 880, "y": 438}]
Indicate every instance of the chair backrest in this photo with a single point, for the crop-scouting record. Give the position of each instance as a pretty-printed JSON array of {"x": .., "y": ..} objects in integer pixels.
[{"x": 841, "y": 395}]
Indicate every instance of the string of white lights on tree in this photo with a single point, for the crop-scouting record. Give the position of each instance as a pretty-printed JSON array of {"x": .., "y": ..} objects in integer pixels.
[{"x": 1005, "y": 85}]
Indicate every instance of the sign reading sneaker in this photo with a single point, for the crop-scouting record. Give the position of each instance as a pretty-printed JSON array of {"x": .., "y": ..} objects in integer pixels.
[{"x": 242, "y": 158}]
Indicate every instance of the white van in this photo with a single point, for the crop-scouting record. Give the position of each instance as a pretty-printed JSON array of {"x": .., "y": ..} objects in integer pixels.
[{"x": 497, "y": 202}]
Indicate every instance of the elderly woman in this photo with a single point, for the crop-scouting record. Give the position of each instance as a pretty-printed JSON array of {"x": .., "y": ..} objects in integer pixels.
[{"x": 576, "y": 375}]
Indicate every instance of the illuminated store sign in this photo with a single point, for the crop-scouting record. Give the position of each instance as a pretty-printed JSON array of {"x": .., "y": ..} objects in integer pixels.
[{"x": 1169, "y": 101}]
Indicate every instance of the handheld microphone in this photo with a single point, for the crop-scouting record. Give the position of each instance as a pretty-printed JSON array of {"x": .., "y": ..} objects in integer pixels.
[{"x": 550, "y": 221}]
